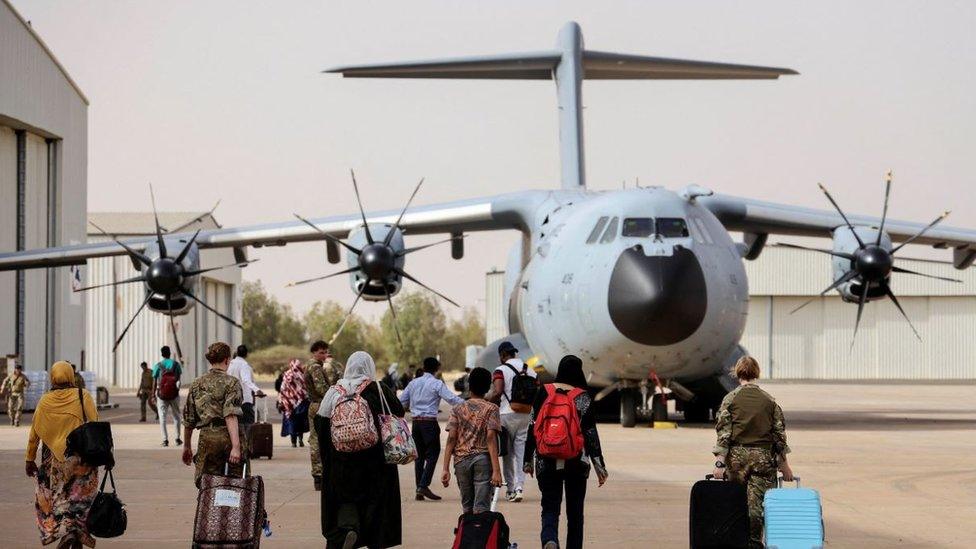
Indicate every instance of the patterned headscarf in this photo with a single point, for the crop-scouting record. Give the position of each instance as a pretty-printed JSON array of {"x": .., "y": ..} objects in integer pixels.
[{"x": 292, "y": 387}]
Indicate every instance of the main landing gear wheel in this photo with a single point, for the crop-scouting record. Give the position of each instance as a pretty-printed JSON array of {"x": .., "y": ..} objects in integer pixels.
[{"x": 628, "y": 407}]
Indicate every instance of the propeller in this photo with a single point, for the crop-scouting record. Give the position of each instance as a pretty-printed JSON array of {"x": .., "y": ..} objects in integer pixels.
[
  {"x": 163, "y": 277},
  {"x": 871, "y": 263},
  {"x": 377, "y": 259}
]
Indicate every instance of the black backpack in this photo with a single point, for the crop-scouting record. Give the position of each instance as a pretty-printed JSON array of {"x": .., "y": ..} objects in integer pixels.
[
  {"x": 106, "y": 516},
  {"x": 524, "y": 387}
]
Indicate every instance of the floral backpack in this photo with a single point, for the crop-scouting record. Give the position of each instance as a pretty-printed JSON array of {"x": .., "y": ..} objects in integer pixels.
[{"x": 353, "y": 426}]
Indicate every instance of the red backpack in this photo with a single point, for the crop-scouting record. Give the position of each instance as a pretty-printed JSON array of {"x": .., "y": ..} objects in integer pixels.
[
  {"x": 167, "y": 384},
  {"x": 558, "y": 434}
]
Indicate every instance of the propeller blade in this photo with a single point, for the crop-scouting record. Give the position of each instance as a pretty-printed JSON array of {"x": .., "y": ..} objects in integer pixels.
[
  {"x": 884, "y": 212},
  {"x": 860, "y": 309},
  {"x": 369, "y": 237},
  {"x": 849, "y": 275},
  {"x": 349, "y": 313},
  {"x": 396, "y": 321},
  {"x": 425, "y": 246},
  {"x": 306, "y": 281},
  {"x": 211, "y": 309},
  {"x": 923, "y": 231},
  {"x": 404, "y": 274},
  {"x": 159, "y": 230},
  {"x": 841, "y": 212},
  {"x": 172, "y": 326},
  {"x": 906, "y": 271},
  {"x": 145, "y": 302},
  {"x": 891, "y": 296},
  {"x": 186, "y": 249},
  {"x": 116, "y": 283},
  {"x": 201, "y": 271},
  {"x": 136, "y": 255},
  {"x": 328, "y": 236},
  {"x": 389, "y": 235},
  {"x": 828, "y": 252}
]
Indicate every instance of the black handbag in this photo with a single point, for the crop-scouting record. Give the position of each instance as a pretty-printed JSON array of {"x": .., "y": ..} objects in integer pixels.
[
  {"x": 91, "y": 441},
  {"x": 106, "y": 516}
]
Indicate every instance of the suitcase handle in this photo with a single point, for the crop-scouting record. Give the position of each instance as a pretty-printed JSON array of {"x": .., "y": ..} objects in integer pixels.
[
  {"x": 227, "y": 470},
  {"x": 712, "y": 477},
  {"x": 779, "y": 481}
]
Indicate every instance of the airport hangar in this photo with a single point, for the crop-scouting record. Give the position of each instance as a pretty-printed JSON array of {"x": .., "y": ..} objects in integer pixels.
[
  {"x": 815, "y": 342},
  {"x": 43, "y": 194}
]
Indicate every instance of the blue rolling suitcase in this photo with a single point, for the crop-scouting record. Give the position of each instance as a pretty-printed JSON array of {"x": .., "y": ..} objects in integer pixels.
[{"x": 793, "y": 517}]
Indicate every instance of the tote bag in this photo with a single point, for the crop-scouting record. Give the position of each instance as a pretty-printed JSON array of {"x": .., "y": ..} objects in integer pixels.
[{"x": 398, "y": 445}]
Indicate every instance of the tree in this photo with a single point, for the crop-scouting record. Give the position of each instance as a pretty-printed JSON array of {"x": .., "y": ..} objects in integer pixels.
[
  {"x": 422, "y": 326},
  {"x": 267, "y": 322},
  {"x": 467, "y": 330},
  {"x": 322, "y": 321}
]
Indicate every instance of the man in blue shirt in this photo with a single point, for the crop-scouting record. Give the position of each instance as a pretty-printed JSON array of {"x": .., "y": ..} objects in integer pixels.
[
  {"x": 423, "y": 396},
  {"x": 166, "y": 386}
]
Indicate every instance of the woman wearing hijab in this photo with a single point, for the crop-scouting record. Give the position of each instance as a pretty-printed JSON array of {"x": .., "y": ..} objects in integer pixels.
[
  {"x": 65, "y": 485},
  {"x": 361, "y": 492},
  {"x": 293, "y": 402},
  {"x": 557, "y": 475}
]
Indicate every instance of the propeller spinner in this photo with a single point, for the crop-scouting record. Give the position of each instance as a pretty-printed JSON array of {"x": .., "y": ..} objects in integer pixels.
[{"x": 871, "y": 263}]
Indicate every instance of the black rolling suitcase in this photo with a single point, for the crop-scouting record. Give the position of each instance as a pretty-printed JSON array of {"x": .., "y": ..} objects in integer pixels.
[
  {"x": 719, "y": 515},
  {"x": 260, "y": 435}
]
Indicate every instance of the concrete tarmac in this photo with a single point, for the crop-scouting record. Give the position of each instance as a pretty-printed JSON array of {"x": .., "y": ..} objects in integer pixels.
[{"x": 894, "y": 465}]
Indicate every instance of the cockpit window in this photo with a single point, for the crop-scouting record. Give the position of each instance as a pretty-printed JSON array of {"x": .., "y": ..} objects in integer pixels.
[
  {"x": 638, "y": 226},
  {"x": 672, "y": 227},
  {"x": 610, "y": 233},
  {"x": 595, "y": 233}
]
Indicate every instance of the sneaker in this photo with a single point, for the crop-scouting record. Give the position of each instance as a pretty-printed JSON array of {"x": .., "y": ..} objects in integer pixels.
[
  {"x": 517, "y": 497},
  {"x": 143, "y": 420},
  {"x": 165, "y": 443},
  {"x": 350, "y": 541},
  {"x": 551, "y": 545},
  {"x": 301, "y": 443},
  {"x": 179, "y": 442},
  {"x": 510, "y": 496}
]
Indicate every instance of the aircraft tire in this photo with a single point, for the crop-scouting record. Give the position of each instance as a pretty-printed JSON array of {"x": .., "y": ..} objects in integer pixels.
[{"x": 628, "y": 408}]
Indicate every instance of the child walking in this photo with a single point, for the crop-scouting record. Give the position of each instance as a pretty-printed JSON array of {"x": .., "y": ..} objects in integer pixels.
[{"x": 473, "y": 441}]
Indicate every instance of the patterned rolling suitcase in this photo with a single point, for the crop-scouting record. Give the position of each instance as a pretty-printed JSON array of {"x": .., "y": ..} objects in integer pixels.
[
  {"x": 718, "y": 515},
  {"x": 230, "y": 512},
  {"x": 260, "y": 435},
  {"x": 793, "y": 518}
]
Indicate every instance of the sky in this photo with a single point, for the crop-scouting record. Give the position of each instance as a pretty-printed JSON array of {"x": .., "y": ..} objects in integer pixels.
[{"x": 226, "y": 100}]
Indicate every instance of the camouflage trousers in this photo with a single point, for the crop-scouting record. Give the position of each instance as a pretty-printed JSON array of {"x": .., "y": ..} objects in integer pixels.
[
  {"x": 15, "y": 405},
  {"x": 313, "y": 440},
  {"x": 756, "y": 468},
  {"x": 213, "y": 449}
]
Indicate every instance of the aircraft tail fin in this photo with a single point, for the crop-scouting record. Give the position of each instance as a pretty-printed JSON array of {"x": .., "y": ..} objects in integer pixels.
[{"x": 569, "y": 64}]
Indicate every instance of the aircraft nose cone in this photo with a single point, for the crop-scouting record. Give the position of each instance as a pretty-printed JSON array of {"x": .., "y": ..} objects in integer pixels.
[{"x": 657, "y": 300}]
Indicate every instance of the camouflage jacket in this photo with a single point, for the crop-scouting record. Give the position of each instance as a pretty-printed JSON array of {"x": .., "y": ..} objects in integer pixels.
[
  {"x": 213, "y": 396},
  {"x": 15, "y": 384},
  {"x": 146, "y": 382},
  {"x": 320, "y": 376},
  {"x": 749, "y": 416}
]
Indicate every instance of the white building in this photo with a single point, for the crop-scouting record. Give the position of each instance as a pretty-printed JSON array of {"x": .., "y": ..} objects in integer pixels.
[
  {"x": 110, "y": 308},
  {"x": 815, "y": 342},
  {"x": 43, "y": 195}
]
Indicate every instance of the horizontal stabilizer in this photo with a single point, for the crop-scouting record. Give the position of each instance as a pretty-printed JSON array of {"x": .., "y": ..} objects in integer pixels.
[{"x": 598, "y": 65}]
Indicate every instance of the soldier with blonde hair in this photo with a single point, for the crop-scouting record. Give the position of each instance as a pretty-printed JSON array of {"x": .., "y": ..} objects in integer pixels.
[{"x": 751, "y": 443}]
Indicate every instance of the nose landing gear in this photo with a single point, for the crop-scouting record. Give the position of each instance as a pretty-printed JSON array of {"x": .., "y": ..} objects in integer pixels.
[{"x": 646, "y": 401}]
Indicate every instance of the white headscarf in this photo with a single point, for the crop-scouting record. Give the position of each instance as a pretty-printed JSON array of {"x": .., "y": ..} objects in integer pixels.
[{"x": 359, "y": 368}]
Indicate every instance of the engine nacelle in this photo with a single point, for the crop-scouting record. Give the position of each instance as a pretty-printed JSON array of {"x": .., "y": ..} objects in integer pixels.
[
  {"x": 377, "y": 276},
  {"x": 165, "y": 276},
  {"x": 845, "y": 242}
]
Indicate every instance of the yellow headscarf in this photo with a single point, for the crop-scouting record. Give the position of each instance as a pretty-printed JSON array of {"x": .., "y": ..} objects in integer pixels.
[{"x": 59, "y": 412}]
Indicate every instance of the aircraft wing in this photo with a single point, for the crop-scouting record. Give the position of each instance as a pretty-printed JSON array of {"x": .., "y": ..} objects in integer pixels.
[
  {"x": 760, "y": 217},
  {"x": 509, "y": 211}
]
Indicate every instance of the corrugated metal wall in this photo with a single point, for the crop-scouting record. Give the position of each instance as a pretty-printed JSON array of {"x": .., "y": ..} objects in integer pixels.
[
  {"x": 35, "y": 280},
  {"x": 8, "y": 237}
]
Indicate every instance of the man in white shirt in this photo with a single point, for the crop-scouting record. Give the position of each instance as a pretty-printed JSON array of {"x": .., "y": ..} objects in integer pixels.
[
  {"x": 514, "y": 421},
  {"x": 240, "y": 369}
]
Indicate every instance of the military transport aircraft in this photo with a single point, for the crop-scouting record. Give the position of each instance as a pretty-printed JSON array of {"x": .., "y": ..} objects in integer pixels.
[{"x": 642, "y": 283}]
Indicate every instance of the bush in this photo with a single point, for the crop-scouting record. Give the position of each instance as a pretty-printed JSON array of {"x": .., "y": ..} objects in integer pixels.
[{"x": 275, "y": 359}]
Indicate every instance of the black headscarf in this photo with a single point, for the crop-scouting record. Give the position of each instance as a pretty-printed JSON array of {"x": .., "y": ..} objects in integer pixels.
[{"x": 571, "y": 372}]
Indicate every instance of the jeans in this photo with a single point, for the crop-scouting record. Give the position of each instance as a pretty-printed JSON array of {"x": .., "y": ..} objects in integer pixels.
[
  {"x": 518, "y": 429},
  {"x": 427, "y": 437},
  {"x": 473, "y": 475},
  {"x": 169, "y": 406},
  {"x": 551, "y": 485}
]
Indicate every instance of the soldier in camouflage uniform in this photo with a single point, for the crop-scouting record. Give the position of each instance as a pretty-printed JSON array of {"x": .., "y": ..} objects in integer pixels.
[
  {"x": 751, "y": 442},
  {"x": 321, "y": 372},
  {"x": 14, "y": 387},
  {"x": 213, "y": 406}
]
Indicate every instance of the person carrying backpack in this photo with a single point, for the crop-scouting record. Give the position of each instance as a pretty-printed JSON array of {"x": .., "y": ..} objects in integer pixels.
[
  {"x": 515, "y": 389},
  {"x": 361, "y": 492},
  {"x": 562, "y": 446},
  {"x": 166, "y": 386}
]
